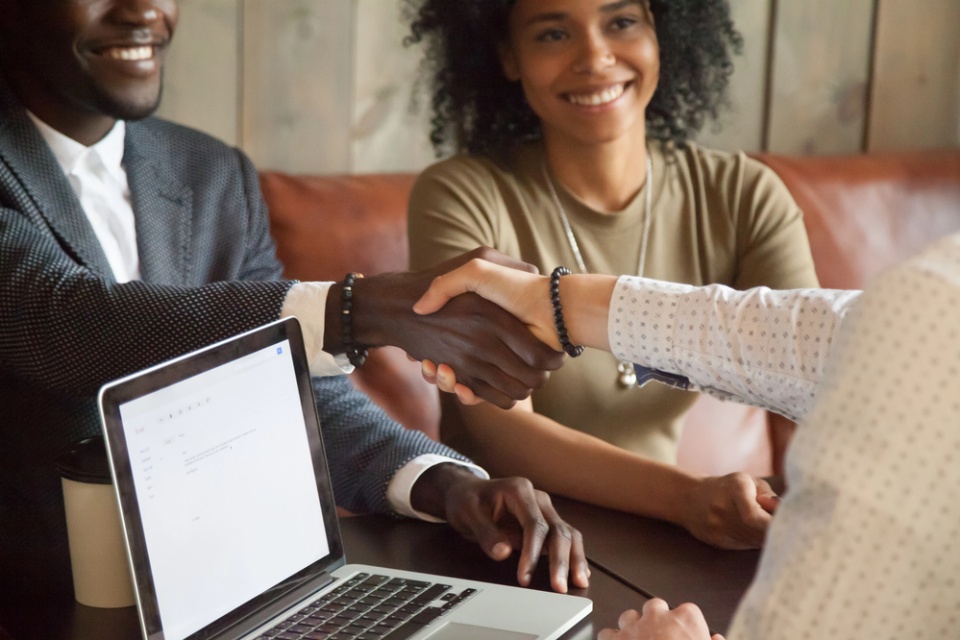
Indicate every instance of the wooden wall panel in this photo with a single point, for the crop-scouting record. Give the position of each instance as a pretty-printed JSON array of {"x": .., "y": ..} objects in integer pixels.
[
  {"x": 741, "y": 124},
  {"x": 390, "y": 131},
  {"x": 915, "y": 101},
  {"x": 325, "y": 86},
  {"x": 201, "y": 75},
  {"x": 298, "y": 84},
  {"x": 820, "y": 67}
]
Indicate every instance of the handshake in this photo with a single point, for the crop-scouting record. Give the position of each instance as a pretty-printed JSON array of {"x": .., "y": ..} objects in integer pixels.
[{"x": 486, "y": 317}]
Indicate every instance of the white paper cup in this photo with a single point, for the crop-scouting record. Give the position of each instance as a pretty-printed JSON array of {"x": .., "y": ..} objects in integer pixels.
[{"x": 98, "y": 555}]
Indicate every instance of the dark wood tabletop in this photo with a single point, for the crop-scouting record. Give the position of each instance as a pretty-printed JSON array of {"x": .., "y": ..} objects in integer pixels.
[
  {"x": 662, "y": 560},
  {"x": 632, "y": 558},
  {"x": 376, "y": 540}
]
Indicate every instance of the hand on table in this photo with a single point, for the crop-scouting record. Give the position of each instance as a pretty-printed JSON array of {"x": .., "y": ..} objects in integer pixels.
[
  {"x": 658, "y": 622},
  {"x": 731, "y": 511},
  {"x": 493, "y": 353},
  {"x": 503, "y": 515}
]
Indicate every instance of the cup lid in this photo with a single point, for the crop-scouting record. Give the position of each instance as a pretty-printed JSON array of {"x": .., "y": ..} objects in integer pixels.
[{"x": 85, "y": 461}]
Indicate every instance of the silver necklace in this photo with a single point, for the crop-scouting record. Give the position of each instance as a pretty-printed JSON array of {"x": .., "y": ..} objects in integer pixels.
[{"x": 626, "y": 375}]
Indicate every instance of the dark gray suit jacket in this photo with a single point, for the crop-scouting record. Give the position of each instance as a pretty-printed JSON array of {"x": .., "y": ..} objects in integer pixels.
[{"x": 66, "y": 327}]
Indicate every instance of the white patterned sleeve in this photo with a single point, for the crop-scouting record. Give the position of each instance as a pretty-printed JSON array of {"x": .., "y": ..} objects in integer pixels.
[{"x": 761, "y": 347}]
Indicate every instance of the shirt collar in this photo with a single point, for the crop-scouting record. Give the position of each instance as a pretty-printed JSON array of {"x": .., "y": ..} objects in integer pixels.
[{"x": 70, "y": 153}]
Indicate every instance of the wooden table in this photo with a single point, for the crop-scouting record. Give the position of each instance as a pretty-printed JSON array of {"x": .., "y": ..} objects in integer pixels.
[
  {"x": 632, "y": 559},
  {"x": 662, "y": 560},
  {"x": 377, "y": 540}
]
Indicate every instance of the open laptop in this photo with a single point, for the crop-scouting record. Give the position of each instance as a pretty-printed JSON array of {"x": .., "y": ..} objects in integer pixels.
[{"x": 230, "y": 522}]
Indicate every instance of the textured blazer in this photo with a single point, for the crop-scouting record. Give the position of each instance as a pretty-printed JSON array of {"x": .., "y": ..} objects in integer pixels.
[{"x": 66, "y": 327}]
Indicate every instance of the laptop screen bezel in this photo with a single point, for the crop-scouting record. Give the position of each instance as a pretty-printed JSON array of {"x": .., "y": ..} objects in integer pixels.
[{"x": 115, "y": 394}]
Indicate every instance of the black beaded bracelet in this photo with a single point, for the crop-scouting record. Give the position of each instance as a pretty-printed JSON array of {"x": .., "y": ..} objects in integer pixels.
[
  {"x": 356, "y": 353},
  {"x": 571, "y": 350}
]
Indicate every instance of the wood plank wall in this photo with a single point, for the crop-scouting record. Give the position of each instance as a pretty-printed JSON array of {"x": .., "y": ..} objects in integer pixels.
[{"x": 325, "y": 86}]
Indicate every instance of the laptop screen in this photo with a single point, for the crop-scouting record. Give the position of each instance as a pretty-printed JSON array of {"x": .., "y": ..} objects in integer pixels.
[{"x": 228, "y": 502}]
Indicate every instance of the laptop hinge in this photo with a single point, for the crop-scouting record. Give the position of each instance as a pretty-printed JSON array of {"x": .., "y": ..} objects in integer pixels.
[{"x": 275, "y": 607}]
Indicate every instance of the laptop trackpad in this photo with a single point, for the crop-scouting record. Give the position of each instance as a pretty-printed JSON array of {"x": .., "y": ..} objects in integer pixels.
[{"x": 457, "y": 631}]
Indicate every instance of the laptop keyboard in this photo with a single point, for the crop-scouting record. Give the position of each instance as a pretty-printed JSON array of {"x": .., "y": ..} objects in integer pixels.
[{"x": 368, "y": 607}]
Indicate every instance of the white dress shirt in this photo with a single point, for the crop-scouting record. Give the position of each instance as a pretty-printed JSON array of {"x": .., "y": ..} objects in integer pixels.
[
  {"x": 99, "y": 179},
  {"x": 866, "y": 543}
]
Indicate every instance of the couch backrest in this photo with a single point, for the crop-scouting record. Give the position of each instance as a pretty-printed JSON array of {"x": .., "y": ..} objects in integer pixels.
[{"x": 863, "y": 213}]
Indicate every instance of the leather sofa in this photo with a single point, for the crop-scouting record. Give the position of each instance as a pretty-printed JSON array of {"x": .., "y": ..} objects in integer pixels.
[{"x": 863, "y": 213}]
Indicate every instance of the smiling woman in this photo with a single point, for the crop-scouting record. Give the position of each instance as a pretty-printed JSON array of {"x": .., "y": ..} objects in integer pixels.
[
  {"x": 106, "y": 57},
  {"x": 572, "y": 120}
]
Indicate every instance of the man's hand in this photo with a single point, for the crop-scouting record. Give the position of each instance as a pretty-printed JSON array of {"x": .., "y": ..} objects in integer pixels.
[
  {"x": 502, "y": 516},
  {"x": 658, "y": 622},
  {"x": 492, "y": 353},
  {"x": 730, "y": 512}
]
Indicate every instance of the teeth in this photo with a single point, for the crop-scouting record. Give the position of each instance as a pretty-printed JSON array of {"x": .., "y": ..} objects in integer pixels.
[
  {"x": 596, "y": 99},
  {"x": 131, "y": 53}
]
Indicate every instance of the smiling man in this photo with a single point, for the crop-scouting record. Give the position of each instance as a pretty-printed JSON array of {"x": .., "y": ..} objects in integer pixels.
[
  {"x": 126, "y": 240},
  {"x": 100, "y": 61}
]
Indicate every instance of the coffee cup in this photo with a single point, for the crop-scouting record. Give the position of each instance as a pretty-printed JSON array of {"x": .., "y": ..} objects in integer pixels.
[{"x": 98, "y": 555}]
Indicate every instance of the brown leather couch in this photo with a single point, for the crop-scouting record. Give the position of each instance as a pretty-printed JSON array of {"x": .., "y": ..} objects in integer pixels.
[{"x": 863, "y": 213}]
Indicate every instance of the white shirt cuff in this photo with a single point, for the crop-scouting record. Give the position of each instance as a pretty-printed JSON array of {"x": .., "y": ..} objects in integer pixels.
[
  {"x": 398, "y": 491},
  {"x": 307, "y": 301}
]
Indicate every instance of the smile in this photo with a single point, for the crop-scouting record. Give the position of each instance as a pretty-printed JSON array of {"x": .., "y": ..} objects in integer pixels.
[
  {"x": 130, "y": 53},
  {"x": 598, "y": 98}
]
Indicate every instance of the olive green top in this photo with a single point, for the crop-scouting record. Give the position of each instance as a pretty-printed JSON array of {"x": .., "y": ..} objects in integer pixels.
[{"x": 716, "y": 218}]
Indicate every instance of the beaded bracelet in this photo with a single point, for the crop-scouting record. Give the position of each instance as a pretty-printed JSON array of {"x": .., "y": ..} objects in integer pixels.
[
  {"x": 356, "y": 353},
  {"x": 571, "y": 350}
]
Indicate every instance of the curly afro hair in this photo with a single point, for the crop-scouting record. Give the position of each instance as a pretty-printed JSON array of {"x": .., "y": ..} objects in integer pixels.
[{"x": 477, "y": 110}]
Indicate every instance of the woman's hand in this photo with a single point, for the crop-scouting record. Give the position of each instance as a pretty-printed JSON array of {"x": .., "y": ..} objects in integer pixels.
[
  {"x": 731, "y": 511},
  {"x": 524, "y": 295}
]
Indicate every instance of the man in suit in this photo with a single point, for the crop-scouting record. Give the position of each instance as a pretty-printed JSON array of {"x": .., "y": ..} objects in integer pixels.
[{"x": 126, "y": 240}]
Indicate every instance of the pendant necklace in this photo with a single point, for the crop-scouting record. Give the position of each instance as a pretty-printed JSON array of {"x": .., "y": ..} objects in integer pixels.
[{"x": 626, "y": 375}]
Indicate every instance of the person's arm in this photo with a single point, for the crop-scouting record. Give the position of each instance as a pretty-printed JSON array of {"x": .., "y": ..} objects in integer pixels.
[
  {"x": 873, "y": 473},
  {"x": 762, "y": 347},
  {"x": 490, "y": 350},
  {"x": 366, "y": 449},
  {"x": 67, "y": 329},
  {"x": 759, "y": 346},
  {"x": 724, "y": 512}
]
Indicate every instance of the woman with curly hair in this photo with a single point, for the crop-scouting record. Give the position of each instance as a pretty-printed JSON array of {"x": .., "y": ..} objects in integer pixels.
[{"x": 572, "y": 120}]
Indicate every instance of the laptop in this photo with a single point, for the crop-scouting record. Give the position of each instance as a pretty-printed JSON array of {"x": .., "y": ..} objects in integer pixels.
[{"x": 230, "y": 521}]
